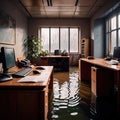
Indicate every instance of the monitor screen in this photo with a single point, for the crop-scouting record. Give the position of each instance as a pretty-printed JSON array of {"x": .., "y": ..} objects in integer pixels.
[
  {"x": 8, "y": 58},
  {"x": 116, "y": 53}
]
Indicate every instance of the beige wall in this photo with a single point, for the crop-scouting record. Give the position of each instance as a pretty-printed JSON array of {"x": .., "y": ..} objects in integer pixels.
[
  {"x": 13, "y": 9},
  {"x": 84, "y": 25}
]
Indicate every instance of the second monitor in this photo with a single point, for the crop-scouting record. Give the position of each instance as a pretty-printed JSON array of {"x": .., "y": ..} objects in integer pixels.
[{"x": 116, "y": 53}]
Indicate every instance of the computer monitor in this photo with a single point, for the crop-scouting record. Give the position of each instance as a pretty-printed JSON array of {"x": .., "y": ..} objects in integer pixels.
[
  {"x": 8, "y": 58},
  {"x": 116, "y": 53},
  {"x": 57, "y": 52}
]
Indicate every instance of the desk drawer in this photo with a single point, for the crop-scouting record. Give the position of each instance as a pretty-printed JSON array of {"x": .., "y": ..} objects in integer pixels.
[
  {"x": 94, "y": 74},
  {"x": 101, "y": 82}
]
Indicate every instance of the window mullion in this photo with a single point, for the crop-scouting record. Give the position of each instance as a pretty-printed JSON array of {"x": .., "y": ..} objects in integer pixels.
[
  {"x": 69, "y": 39},
  {"x": 59, "y": 39},
  {"x": 50, "y": 39}
]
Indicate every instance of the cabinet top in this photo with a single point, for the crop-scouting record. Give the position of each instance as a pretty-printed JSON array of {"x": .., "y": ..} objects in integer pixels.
[{"x": 54, "y": 56}]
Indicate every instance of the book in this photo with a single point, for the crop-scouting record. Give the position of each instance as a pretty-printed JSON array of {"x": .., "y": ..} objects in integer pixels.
[{"x": 31, "y": 79}]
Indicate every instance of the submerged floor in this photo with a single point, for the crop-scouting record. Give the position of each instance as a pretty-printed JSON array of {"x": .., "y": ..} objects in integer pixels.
[{"x": 72, "y": 99}]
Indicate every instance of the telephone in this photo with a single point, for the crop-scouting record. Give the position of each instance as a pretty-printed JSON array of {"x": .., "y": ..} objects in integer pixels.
[{"x": 24, "y": 63}]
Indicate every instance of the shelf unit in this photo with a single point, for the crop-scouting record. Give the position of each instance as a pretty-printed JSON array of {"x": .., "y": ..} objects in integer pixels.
[{"x": 84, "y": 47}]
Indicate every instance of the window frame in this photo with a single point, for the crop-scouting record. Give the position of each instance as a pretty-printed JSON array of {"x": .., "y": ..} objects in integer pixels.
[
  {"x": 78, "y": 41},
  {"x": 109, "y": 31}
]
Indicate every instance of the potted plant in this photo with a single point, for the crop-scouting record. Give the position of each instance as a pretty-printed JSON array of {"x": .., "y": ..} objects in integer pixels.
[
  {"x": 34, "y": 47},
  {"x": 44, "y": 53},
  {"x": 64, "y": 53}
]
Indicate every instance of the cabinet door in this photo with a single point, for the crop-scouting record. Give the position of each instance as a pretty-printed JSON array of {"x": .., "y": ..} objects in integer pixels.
[
  {"x": 7, "y": 105},
  {"x": 102, "y": 82},
  {"x": 93, "y": 80},
  {"x": 28, "y": 105}
]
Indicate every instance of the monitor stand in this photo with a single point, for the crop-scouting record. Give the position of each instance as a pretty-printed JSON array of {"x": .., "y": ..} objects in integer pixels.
[{"x": 5, "y": 77}]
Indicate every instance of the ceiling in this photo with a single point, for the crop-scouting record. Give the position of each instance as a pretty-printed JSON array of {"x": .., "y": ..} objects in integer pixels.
[{"x": 62, "y": 8}]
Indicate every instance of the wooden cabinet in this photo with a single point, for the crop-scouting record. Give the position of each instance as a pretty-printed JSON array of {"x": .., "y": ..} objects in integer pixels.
[
  {"x": 84, "y": 70},
  {"x": 24, "y": 105},
  {"x": 26, "y": 101},
  {"x": 101, "y": 82},
  {"x": 7, "y": 105},
  {"x": 60, "y": 63},
  {"x": 85, "y": 47},
  {"x": 105, "y": 78}
]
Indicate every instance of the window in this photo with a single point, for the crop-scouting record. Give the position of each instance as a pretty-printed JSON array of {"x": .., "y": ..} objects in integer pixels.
[
  {"x": 119, "y": 20},
  {"x": 60, "y": 38},
  {"x": 54, "y": 39},
  {"x": 45, "y": 38},
  {"x": 113, "y": 23},
  {"x": 119, "y": 36},
  {"x": 119, "y": 29},
  {"x": 73, "y": 40},
  {"x": 113, "y": 40},
  {"x": 112, "y": 33},
  {"x": 64, "y": 39}
]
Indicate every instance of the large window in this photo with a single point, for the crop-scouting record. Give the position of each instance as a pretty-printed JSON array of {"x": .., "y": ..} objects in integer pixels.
[
  {"x": 64, "y": 39},
  {"x": 54, "y": 39},
  {"x": 60, "y": 38},
  {"x": 112, "y": 33},
  {"x": 45, "y": 38},
  {"x": 73, "y": 40}
]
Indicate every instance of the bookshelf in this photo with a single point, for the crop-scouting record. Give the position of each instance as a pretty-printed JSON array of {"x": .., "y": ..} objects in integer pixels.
[{"x": 84, "y": 47}]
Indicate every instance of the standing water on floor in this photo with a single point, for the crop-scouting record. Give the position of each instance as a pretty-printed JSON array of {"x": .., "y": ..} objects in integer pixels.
[{"x": 67, "y": 103}]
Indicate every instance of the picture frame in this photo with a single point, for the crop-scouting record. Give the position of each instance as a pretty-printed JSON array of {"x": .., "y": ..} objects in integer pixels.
[{"x": 7, "y": 29}]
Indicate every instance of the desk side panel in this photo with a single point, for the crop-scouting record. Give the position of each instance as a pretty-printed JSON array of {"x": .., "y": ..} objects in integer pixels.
[
  {"x": 8, "y": 105},
  {"x": 84, "y": 70}
]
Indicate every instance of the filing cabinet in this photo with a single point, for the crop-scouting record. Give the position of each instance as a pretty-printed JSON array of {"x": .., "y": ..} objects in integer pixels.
[{"x": 101, "y": 82}]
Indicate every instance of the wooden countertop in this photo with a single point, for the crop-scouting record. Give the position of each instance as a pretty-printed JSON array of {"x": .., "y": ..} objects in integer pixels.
[
  {"x": 14, "y": 82},
  {"x": 55, "y": 56},
  {"x": 102, "y": 62}
]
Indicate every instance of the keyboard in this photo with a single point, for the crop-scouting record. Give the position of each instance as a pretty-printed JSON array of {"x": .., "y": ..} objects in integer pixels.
[{"x": 22, "y": 73}]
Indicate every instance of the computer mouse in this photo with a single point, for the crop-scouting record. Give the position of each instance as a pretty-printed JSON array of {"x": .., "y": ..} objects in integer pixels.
[
  {"x": 40, "y": 68},
  {"x": 36, "y": 71}
]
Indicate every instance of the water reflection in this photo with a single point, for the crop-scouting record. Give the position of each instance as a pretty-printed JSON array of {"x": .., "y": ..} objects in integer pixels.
[
  {"x": 72, "y": 99},
  {"x": 66, "y": 99}
]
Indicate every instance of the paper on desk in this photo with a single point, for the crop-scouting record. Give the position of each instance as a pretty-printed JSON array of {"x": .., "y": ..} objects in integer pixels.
[{"x": 31, "y": 79}]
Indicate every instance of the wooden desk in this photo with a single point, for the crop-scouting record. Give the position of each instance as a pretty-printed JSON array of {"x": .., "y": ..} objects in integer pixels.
[
  {"x": 59, "y": 62},
  {"x": 112, "y": 70},
  {"x": 26, "y": 101}
]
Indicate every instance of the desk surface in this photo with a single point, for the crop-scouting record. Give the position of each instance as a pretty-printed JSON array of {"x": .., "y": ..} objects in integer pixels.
[
  {"x": 54, "y": 56},
  {"x": 13, "y": 83},
  {"x": 114, "y": 70},
  {"x": 102, "y": 62}
]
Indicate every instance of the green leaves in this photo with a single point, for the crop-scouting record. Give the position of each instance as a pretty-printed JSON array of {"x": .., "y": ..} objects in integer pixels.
[
  {"x": 34, "y": 46},
  {"x": 64, "y": 53}
]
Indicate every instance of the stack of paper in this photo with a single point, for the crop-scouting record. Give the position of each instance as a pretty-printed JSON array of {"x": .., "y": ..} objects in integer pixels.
[{"x": 31, "y": 79}]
